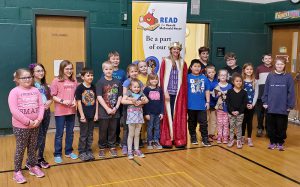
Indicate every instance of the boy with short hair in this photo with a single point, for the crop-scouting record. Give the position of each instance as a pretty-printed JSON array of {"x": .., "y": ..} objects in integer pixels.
[
  {"x": 203, "y": 58},
  {"x": 109, "y": 95},
  {"x": 262, "y": 71},
  {"x": 87, "y": 113},
  {"x": 231, "y": 65},
  {"x": 120, "y": 74},
  {"x": 211, "y": 113}
]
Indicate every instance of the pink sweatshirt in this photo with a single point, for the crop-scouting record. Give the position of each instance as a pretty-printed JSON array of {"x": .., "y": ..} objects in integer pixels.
[
  {"x": 25, "y": 105},
  {"x": 66, "y": 91}
]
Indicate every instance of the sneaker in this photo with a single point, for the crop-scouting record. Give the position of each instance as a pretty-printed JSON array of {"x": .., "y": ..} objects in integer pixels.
[
  {"x": 124, "y": 150},
  {"x": 219, "y": 141},
  {"x": 27, "y": 166},
  {"x": 72, "y": 156},
  {"x": 83, "y": 157},
  {"x": 259, "y": 133},
  {"x": 36, "y": 171},
  {"x": 90, "y": 155},
  {"x": 157, "y": 145},
  {"x": 102, "y": 153},
  {"x": 113, "y": 152},
  {"x": 272, "y": 146},
  {"x": 150, "y": 146},
  {"x": 243, "y": 140},
  {"x": 139, "y": 153},
  {"x": 130, "y": 155},
  {"x": 280, "y": 147},
  {"x": 206, "y": 143},
  {"x": 230, "y": 143},
  {"x": 19, "y": 178},
  {"x": 250, "y": 143},
  {"x": 225, "y": 141},
  {"x": 194, "y": 140},
  {"x": 239, "y": 144},
  {"x": 58, "y": 159},
  {"x": 42, "y": 163}
]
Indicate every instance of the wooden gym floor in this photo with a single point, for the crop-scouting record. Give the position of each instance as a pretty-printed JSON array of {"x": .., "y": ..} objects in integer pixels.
[{"x": 193, "y": 166}]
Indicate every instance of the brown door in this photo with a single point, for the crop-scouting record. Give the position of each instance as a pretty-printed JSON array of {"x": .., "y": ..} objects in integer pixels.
[
  {"x": 286, "y": 42},
  {"x": 59, "y": 38}
]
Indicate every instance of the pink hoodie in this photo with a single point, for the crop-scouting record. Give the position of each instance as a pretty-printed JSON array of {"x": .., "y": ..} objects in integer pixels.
[{"x": 25, "y": 105}]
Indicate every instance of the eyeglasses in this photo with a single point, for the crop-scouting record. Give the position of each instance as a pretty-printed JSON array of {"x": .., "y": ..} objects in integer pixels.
[
  {"x": 25, "y": 78},
  {"x": 39, "y": 71},
  {"x": 69, "y": 69}
]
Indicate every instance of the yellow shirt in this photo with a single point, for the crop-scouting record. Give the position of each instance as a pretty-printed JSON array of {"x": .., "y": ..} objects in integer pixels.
[{"x": 143, "y": 78}]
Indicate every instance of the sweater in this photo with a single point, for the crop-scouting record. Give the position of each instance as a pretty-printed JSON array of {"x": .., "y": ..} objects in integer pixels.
[
  {"x": 236, "y": 101},
  {"x": 279, "y": 93},
  {"x": 25, "y": 105}
]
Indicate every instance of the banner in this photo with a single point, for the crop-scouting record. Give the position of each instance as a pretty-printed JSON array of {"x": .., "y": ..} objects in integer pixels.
[{"x": 154, "y": 26}]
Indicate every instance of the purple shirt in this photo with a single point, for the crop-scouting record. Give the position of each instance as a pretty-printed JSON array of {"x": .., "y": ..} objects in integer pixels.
[{"x": 173, "y": 81}]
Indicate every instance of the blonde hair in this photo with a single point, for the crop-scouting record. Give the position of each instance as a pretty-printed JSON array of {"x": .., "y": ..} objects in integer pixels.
[
  {"x": 17, "y": 74},
  {"x": 252, "y": 77},
  {"x": 108, "y": 63},
  {"x": 152, "y": 76},
  {"x": 113, "y": 53}
]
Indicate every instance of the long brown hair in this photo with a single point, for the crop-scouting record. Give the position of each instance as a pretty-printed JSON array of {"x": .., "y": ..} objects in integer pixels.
[
  {"x": 252, "y": 77},
  {"x": 62, "y": 66},
  {"x": 43, "y": 80}
]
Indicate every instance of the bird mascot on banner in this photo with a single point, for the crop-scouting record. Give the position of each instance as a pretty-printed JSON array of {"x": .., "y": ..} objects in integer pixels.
[{"x": 173, "y": 81}]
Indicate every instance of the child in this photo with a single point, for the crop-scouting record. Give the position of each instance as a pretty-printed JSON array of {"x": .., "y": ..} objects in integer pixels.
[
  {"x": 198, "y": 102},
  {"x": 153, "y": 111},
  {"x": 143, "y": 72},
  {"x": 39, "y": 74},
  {"x": 231, "y": 65},
  {"x": 63, "y": 91},
  {"x": 119, "y": 74},
  {"x": 109, "y": 95},
  {"x": 279, "y": 99},
  {"x": 221, "y": 108},
  {"x": 27, "y": 109},
  {"x": 251, "y": 87},
  {"x": 211, "y": 113},
  {"x": 143, "y": 76},
  {"x": 236, "y": 103},
  {"x": 262, "y": 72},
  {"x": 87, "y": 113},
  {"x": 132, "y": 72},
  {"x": 134, "y": 98}
]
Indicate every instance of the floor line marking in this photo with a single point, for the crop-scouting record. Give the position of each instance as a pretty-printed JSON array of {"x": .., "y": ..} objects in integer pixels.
[
  {"x": 140, "y": 178},
  {"x": 263, "y": 166}
]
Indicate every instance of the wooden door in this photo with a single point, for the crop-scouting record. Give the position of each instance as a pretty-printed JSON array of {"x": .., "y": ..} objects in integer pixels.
[
  {"x": 286, "y": 42},
  {"x": 59, "y": 38}
]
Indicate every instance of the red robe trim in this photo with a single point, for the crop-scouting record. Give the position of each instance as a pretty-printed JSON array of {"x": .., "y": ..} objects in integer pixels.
[{"x": 179, "y": 130}]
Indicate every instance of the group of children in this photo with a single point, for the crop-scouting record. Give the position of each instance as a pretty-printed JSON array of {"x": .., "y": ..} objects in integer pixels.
[{"x": 223, "y": 103}]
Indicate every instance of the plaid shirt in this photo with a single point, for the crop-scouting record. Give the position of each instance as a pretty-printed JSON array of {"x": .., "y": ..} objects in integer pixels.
[{"x": 173, "y": 81}]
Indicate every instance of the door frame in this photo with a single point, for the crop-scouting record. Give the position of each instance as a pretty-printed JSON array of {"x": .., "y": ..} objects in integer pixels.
[{"x": 64, "y": 13}]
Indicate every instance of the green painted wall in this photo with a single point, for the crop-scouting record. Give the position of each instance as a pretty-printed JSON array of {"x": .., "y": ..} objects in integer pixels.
[{"x": 239, "y": 27}]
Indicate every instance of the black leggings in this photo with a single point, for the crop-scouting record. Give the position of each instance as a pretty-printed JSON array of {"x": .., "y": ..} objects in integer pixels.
[{"x": 247, "y": 122}]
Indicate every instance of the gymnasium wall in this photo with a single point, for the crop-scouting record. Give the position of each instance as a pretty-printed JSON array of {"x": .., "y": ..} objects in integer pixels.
[{"x": 239, "y": 27}]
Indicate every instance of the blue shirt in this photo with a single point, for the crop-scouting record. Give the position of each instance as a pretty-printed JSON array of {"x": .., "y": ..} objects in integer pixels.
[
  {"x": 126, "y": 83},
  {"x": 248, "y": 87},
  {"x": 212, "y": 85},
  {"x": 197, "y": 85},
  {"x": 119, "y": 74}
]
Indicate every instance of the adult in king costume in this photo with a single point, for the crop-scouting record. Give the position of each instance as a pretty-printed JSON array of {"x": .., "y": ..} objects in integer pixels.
[{"x": 173, "y": 81}]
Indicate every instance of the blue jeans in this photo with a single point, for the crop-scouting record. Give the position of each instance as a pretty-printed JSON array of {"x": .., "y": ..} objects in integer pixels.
[
  {"x": 61, "y": 121},
  {"x": 42, "y": 134},
  {"x": 153, "y": 129}
]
